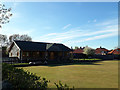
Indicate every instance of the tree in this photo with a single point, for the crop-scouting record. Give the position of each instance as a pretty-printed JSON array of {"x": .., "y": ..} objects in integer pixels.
[
  {"x": 5, "y": 15},
  {"x": 88, "y": 51},
  {"x": 25, "y": 38},
  {"x": 3, "y": 40},
  {"x": 19, "y": 37},
  {"x": 76, "y": 47},
  {"x": 71, "y": 47},
  {"x": 14, "y": 37}
]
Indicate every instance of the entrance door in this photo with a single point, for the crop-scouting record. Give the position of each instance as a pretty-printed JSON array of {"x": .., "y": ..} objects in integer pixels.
[{"x": 51, "y": 55}]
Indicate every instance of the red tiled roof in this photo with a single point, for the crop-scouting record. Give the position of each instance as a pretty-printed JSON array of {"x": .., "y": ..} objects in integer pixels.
[
  {"x": 115, "y": 51},
  {"x": 99, "y": 50},
  {"x": 78, "y": 51}
]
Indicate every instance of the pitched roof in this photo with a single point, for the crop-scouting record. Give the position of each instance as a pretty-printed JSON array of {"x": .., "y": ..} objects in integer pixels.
[
  {"x": 99, "y": 50},
  {"x": 58, "y": 47},
  {"x": 78, "y": 51},
  {"x": 41, "y": 46},
  {"x": 115, "y": 51}
]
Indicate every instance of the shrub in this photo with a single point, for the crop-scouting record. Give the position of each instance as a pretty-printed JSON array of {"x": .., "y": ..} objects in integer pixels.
[
  {"x": 60, "y": 86},
  {"x": 14, "y": 78},
  {"x": 18, "y": 78}
]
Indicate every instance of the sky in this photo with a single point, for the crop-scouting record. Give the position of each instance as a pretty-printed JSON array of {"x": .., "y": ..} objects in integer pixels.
[{"x": 92, "y": 24}]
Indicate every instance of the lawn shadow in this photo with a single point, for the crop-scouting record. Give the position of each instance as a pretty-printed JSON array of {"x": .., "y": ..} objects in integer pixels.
[
  {"x": 72, "y": 62},
  {"x": 76, "y": 62}
]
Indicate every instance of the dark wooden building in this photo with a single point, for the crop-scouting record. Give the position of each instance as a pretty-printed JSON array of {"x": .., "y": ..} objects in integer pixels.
[{"x": 28, "y": 50}]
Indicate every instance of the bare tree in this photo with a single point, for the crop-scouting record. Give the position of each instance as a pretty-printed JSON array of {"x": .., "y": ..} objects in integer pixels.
[
  {"x": 76, "y": 47},
  {"x": 3, "y": 40},
  {"x": 5, "y": 14},
  {"x": 14, "y": 37},
  {"x": 25, "y": 38},
  {"x": 71, "y": 47},
  {"x": 19, "y": 37}
]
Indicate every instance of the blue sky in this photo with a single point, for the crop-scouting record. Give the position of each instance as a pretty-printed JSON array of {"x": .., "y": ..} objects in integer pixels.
[{"x": 71, "y": 23}]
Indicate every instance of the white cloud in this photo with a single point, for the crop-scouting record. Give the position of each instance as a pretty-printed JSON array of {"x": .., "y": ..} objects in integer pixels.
[
  {"x": 93, "y": 38},
  {"x": 73, "y": 34},
  {"x": 50, "y": 34},
  {"x": 108, "y": 22},
  {"x": 92, "y": 20},
  {"x": 100, "y": 32},
  {"x": 66, "y": 26},
  {"x": 101, "y": 36},
  {"x": 108, "y": 29},
  {"x": 77, "y": 35}
]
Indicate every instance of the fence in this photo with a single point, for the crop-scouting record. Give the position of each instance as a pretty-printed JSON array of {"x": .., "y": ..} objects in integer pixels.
[
  {"x": 106, "y": 57},
  {"x": 103, "y": 57},
  {"x": 10, "y": 60}
]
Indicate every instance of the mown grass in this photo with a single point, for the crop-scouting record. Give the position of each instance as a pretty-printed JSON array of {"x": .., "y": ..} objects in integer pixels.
[
  {"x": 103, "y": 74},
  {"x": 20, "y": 64},
  {"x": 88, "y": 59}
]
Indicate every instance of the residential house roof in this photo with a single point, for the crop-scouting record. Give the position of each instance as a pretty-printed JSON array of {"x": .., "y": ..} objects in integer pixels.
[
  {"x": 115, "y": 51},
  {"x": 79, "y": 50},
  {"x": 100, "y": 50},
  {"x": 41, "y": 46}
]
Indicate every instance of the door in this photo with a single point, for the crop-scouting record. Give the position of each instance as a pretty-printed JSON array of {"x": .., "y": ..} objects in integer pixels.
[{"x": 51, "y": 55}]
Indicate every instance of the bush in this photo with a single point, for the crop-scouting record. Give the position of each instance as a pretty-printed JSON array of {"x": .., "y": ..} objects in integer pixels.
[
  {"x": 14, "y": 78},
  {"x": 18, "y": 78},
  {"x": 60, "y": 86}
]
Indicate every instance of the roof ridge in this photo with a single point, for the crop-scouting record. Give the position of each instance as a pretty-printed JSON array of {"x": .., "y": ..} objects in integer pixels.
[
  {"x": 32, "y": 41},
  {"x": 35, "y": 42}
]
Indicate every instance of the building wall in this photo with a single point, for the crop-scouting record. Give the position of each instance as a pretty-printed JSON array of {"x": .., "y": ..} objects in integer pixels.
[
  {"x": 15, "y": 52},
  {"x": 32, "y": 55},
  {"x": 28, "y": 55},
  {"x": 58, "y": 55}
]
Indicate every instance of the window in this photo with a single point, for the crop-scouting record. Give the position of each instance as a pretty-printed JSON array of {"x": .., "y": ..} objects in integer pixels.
[
  {"x": 17, "y": 53},
  {"x": 24, "y": 54},
  {"x": 11, "y": 54},
  {"x": 27, "y": 53},
  {"x": 37, "y": 52},
  {"x": 102, "y": 52}
]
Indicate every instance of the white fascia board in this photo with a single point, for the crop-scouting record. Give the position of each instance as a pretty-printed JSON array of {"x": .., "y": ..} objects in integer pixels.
[{"x": 17, "y": 45}]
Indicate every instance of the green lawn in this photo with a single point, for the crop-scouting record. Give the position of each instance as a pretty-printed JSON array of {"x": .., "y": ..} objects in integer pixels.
[
  {"x": 103, "y": 74},
  {"x": 88, "y": 59},
  {"x": 20, "y": 64}
]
